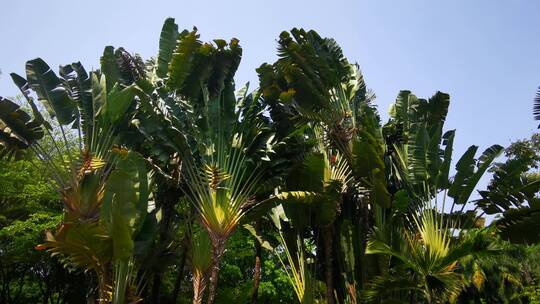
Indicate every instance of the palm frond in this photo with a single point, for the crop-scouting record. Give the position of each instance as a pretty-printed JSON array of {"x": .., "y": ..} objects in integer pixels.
[
  {"x": 296, "y": 266},
  {"x": 391, "y": 288},
  {"x": 536, "y": 106},
  {"x": 221, "y": 186}
]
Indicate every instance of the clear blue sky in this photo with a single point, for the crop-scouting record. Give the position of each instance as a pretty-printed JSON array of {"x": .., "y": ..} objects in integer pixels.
[{"x": 484, "y": 53}]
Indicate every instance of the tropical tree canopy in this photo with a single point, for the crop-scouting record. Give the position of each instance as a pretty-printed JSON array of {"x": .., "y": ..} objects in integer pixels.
[{"x": 159, "y": 180}]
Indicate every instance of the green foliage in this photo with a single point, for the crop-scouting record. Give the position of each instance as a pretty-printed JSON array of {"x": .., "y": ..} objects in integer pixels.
[
  {"x": 50, "y": 91},
  {"x": 143, "y": 170},
  {"x": 29, "y": 206},
  {"x": 24, "y": 189},
  {"x": 29, "y": 275},
  {"x": 427, "y": 259},
  {"x": 167, "y": 43},
  {"x": 22, "y": 235},
  {"x": 17, "y": 130},
  {"x": 469, "y": 172},
  {"x": 513, "y": 192}
]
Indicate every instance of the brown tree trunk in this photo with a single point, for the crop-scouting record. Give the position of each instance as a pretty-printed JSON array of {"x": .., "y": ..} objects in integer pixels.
[
  {"x": 199, "y": 287},
  {"x": 103, "y": 285},
  {"x": 257, "y": 274},
  {"x": 329, "y": 269},
  {"x": 218, "y": 247},
  {"x": 364, "y": 224},
  {"x": 156, "y": 288},
  {"x": 180, "y": 275},
  {"x": 413, "y": 297}
]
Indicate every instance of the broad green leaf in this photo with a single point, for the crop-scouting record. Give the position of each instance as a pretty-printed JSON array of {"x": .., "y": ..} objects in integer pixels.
[
  {"x": 109, "y": 67},
  {"x": 118, "y": 102},
  {"x": 470, "y": 171},
  {"x": 99, "y": 91},
  {"x": 80, "y": 85},
  {"x": 264, "y": 243},
  {"x": 444, "y": 171},
  {"x": 125, "y": 203},
  {"x": 182, "y": 59},
  {"x": 418, "y": 154},
  {"x": 520, "y": 225},
  {"x": 50, "y": 91},
  {"x": 465, "y": 169},
  {"x": 201, "y": 248},
  {"x": 167, "y": 44},
  {"x": 24, "y": 87},
  {"x": 401, "y": 201},
  {"x": 369, "y": 165},
  {"x": 83, "y": 245},
  {"x": 437, "y": 109},
  {"x": 21, "y": 128}
]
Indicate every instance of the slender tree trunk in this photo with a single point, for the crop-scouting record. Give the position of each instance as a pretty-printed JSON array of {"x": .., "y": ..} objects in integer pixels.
[
  {"x": 180, "y": 275},
  {"x": 413, "y": 297},
  {"x": 364, "y": 227},
  {"x": 329, "y": 267},
  {"x": 186, "y": 247},
  {"x": 218, "y": 247},
  {"x": 156, "y": 288},
  {"x": 199, "y": 287},
  {"x": 257, "y": 274},
  {"x": 90, "y": 292},
  {"x": 104, "y": 283}
]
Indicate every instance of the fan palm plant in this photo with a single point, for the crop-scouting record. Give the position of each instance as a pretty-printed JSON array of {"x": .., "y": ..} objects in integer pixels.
[
  {"x": 420, "y": 153},
  {"x": 221, "y": 187},
  {"x": 313, "y": 86},
  {"x": 104, "y": 187},
  {"x": 424, "y": 260},
  {"x": 189, "y": 109},
  {"x": 315, "y": 189},
  {"x": 513, "y": 193},
  {"x": 497, "y": 278}
]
